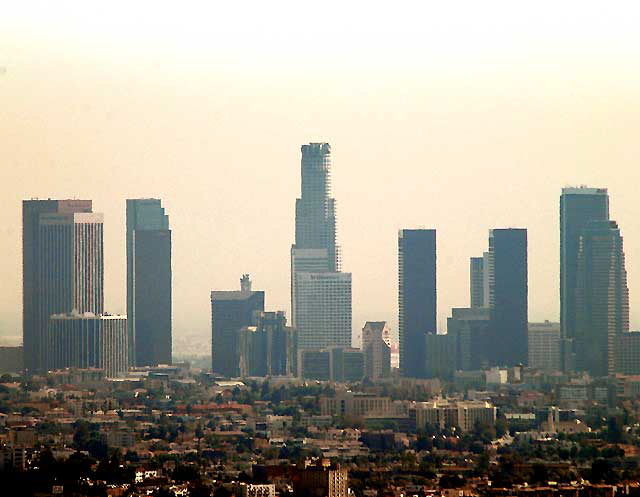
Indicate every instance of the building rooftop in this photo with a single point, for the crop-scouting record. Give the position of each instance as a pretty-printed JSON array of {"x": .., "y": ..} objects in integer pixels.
[
  {"x": 232, "y": 294},
  {"x": 583, "y": 190}
]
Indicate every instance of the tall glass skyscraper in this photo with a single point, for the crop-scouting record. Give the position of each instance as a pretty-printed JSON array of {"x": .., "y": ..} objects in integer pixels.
[
  {"x": 63, "y": 268},
  {"x": 508, "y": 297},
  {"x": 148, "y": 283},
  {"x": 320, "y": 293},
  {"x": 315, "y": 209},
  {"x": 602, "y": 297},
  {"x": 416, "y": 298},
  {"x": 578, "y": 206}
]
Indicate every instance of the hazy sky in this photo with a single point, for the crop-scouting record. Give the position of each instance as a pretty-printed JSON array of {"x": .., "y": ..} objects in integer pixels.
[{"x": 461, "y": 118}]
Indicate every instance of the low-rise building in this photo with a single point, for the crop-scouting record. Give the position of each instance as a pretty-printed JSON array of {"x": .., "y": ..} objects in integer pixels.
[
  {"x": 322, "y": 479},
  {"x": 463, "y": 415},
  {"x": 544, "y": 346},
  {"x": 257, "y": 490},
  {"x": 358, "y": 405}
]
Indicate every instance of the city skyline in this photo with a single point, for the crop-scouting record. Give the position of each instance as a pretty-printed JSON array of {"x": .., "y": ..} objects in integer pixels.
[
  {"x": 442, "y": 311},
  {"x": 292, "y": 249},
  {"x": 474, "y": 136}
]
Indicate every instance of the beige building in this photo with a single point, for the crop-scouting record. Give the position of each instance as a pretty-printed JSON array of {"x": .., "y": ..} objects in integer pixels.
[
  {"x": 251, "y": 490},
  {"x": 321, "y": 479},
  {"x": 544, "y": 346},
  {"x": 358, "y": 405},
  {"x": 463, "y": 415},
  {"x": 376, "y": 345}
]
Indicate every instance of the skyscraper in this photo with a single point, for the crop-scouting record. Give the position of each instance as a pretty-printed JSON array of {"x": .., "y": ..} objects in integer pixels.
[
  {"x": 315, "y": 209},
  {"x": 508, "y": 296},
  {"x": 320, "y": 293},
  {"x": 416, "y": 297},
  {"x": 578, "y": 206},
  {"x": 231, "y": 311},
  {"x": 148, "y": 282},
  {"x": 63, "y": 268},
  {"x": 602, "y": 297},
  {"x": 323, "y": 312}
]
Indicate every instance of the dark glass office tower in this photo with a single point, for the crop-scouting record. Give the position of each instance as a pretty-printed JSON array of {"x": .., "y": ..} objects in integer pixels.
[
  {"x": 62, "y": 268},
  {"x": 416, "y": 297},
  {"x": 602, "y": 297},
  {"x": 231, "y": 311},
  {"x": 148, "y": 282},
  {"x": 578, "y": 206},
  {"x": 508, "y": 297}
]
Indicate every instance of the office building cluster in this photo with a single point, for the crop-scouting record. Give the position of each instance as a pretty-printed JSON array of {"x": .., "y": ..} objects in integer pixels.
[
  {"x": 592, "y": 336},
  {"x": 64, "y": 319},
  {"x": 66, "y": 324},
  {"x": 318, "y": 345},
  {"x": 494, "y": 331}
]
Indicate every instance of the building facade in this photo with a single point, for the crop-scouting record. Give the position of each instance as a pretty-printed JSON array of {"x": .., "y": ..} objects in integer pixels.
[
  {"x": 376, "y": 345},
  {"x": 476, "y": 281},
  {"x": 508, "y": 297},
  {"x": 33, "y": 320},
  {"x": 463, "y": 415},
  {"x": 63, "y": 268},
  {"x": 89, "y": 341},
  {"x": 602, "y": 297},
  {"x": 358, "y": 405},
  {"x": 321, "y": 479},
  {"x": 11, "y": 359},
  {"x": 149, "y": 303},
  {"x": 231, "y": 311},
  {"x": 339, "y": 364},
  {"x": 314, "y": 364},
  {"x": 323, "y": 310},
  {"x": 578, "y": 206},
  {"x": 315, "y": 209},
  {"x": 268, "y": 348},
  {"x": 544, "y": 346},
  {"x": 320, "y": 293},
  {"x": 628, "y": 353},
  {"x": 469, "y": 328},
  {"x": 440, "y": 358},
  {"x": 416, "y": 297},
  {"x": 347, "y": 365}
]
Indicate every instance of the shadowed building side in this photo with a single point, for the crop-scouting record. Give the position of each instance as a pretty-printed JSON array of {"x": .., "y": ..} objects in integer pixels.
[
  {"x": 149, "y": 302},
  {"x": 508, "y": 297},
  {"x": 153, "y": 297},
  {"x": 416, "y": 297},
  {"x": 230, "y": 312},
  {"x": 578, "y": 206},
  {"x": 602, "y": 298}
]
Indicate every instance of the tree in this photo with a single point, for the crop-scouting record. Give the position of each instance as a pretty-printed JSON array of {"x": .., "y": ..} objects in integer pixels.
[
  {"x": 615, "y": 432},
  {"x": 482, "y": 464},
  {"x": 451, "y": 481},
  {"x": 222, "y": 492},
  {"x": 602, "y": 470}
]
